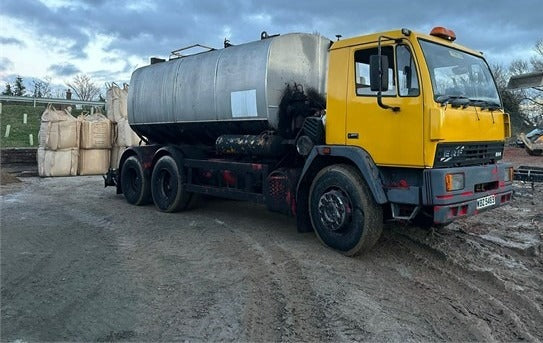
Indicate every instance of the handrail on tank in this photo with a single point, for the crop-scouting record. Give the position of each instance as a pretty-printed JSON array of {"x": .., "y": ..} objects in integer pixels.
[{"x": 177, "y": 53}]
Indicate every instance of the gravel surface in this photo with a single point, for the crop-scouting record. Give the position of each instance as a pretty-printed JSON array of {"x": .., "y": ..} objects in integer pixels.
[{"x": 80, "y": 264}]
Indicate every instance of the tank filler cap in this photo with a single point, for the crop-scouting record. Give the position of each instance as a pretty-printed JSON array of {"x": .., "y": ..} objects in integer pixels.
[{"x": 338, "y": 36}]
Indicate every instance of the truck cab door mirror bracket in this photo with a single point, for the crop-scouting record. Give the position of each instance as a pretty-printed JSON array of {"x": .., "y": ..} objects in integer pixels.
[{"x": 379, "y": 76}]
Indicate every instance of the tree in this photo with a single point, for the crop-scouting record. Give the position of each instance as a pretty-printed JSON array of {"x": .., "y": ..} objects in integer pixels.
[
  {"x": 7, "y": 90},
  {"x": 83, "y": 87},
  {"x": 515, "y": 101},
  {"x": 41, "y": 88},
  {"x": 537, "y": 61},
  {"x": 19, "y": 87},
  {"x": 511, "y": 99}
]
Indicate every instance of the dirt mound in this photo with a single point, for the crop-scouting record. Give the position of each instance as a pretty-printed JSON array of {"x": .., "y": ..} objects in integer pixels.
[{"x": 7, "y": 178}]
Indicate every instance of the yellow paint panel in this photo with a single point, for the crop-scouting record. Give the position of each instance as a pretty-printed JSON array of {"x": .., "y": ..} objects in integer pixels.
[
  {"x": 391, "y": 138},
  {"x": 336, "y": 97},
  {"x": 463, "y": 125}
]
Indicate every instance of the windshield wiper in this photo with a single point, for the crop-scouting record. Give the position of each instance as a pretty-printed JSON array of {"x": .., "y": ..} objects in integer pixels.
[
  {"x": 454, "y": 100},
  {"x": 462, "y": 101},
  {"x": 485, "y": 104}
]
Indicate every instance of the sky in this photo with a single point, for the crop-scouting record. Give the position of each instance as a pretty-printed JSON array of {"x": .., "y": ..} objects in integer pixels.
[{"x": 109, "y": 39}]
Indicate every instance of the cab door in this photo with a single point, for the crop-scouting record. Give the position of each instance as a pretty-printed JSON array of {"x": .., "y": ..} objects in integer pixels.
[{"x": 391, "y": 138}]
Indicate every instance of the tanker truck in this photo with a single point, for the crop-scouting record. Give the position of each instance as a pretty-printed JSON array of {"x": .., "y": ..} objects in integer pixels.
[{"x": 344, "y": 135}]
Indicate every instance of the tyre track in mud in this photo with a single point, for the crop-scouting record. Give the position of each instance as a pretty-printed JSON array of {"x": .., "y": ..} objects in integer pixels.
[
  {"x": 281, "y": 304},
  {"x": 62, "y": 240},
  {"x": 508, "y": 316},
  {"x": 232, "y": 271}
]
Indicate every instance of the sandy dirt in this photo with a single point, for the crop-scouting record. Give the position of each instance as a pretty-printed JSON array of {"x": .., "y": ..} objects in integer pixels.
[
  {"x": 80, "y": 264},
  {"x": 7, "y": 178}
]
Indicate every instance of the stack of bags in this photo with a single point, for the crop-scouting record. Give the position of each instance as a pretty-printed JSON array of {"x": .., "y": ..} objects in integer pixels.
[
  {"x": 88, "y": 145},
  {"x": 95, "y": 148},
  {"x": 123, "y": 136},
  {"x": 58, "y": 150}
]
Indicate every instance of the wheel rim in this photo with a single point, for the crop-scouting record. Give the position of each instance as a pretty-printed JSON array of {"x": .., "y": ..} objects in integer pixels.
[
  {"x": 165, "y": 180},
  {"x": 334, "y": 210}
]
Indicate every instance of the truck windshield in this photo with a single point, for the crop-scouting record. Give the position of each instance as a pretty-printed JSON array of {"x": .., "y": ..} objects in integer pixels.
[{"x": 460, "y": 77}]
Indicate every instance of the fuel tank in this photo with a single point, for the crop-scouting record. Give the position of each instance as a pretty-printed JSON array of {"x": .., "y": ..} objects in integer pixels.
[{"x": 235, "y": 90}]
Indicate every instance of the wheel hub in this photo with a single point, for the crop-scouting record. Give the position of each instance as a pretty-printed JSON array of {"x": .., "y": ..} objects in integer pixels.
[
  {"x": 166, "y": 183},
  {"x": 334, "y": 210}
]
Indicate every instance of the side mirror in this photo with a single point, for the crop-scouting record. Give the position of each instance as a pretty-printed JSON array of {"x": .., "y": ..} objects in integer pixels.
[{"x": 378, "y": 76}]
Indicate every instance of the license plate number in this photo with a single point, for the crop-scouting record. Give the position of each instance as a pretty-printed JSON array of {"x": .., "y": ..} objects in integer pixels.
[{"x": 486, "y": 201}]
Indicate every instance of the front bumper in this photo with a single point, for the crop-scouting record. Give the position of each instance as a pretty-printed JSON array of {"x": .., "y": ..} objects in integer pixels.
[
  {"x": 480, "y": 182},
  {"x": 444, "y": 214}
]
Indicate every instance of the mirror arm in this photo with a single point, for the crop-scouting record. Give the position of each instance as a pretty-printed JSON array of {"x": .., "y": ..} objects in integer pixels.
[
  {"x": 386, "y": 107},
  {"x": 379, "y": 95}
]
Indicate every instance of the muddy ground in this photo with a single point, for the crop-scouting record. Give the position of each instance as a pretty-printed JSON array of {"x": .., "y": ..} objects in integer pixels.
[{"x": 80, "y": 264}]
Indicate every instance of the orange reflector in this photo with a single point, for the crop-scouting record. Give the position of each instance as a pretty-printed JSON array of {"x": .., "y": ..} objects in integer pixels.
[
  {"x": 454, "y": 182},
  {"x": 444, "y": 33},
  {"x": 326, "y": 150},
  {"x": 448, "y": 182}
]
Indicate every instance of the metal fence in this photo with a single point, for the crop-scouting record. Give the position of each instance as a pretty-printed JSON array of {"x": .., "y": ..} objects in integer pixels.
[{"x": 49, "y": 100}]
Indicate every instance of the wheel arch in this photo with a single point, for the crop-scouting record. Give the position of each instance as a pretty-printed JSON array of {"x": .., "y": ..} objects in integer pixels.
[
  {"x": 169, "y": 150},
  {"x": 322, "y": 156},
  {"x": 144, "y": 154}
]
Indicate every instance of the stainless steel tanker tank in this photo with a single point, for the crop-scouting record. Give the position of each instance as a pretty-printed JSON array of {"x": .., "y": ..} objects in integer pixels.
[{"x": 235, "y": 90}]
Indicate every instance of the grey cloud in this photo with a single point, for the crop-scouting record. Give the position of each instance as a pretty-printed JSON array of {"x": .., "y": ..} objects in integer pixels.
[
  {"x": 52, "y": 25},
  {"x": 167, "y": 25},
  {"x": 66, "y": 69},
  {"x": 5, "y": 64},
  {"x": 12, "y": 41}
]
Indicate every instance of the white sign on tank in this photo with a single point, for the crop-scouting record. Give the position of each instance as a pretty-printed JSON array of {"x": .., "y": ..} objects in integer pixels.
[{"x": 243, "y": 103}]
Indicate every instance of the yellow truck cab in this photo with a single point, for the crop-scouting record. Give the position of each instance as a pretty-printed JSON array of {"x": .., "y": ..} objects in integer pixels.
[{"x": 440, "y": 132}]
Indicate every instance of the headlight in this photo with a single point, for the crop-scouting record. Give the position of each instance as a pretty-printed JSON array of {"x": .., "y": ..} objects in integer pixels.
[
  {"x": 508, "y": 174},
  {"x": 454, "y": 182}
]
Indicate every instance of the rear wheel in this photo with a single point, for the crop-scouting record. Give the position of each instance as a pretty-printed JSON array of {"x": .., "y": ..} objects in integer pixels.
[
  {"x": 167, "y": 186},
  {"x": 342, "y": 210},
  {"x": 134, "y": 184}
]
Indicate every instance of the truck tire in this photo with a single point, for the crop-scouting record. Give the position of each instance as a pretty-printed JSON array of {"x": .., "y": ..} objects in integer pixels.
[
  {"x": 343, "y": 212},
  {"x": 135, "y": 186},
  {"x": 167, "y": 187}
]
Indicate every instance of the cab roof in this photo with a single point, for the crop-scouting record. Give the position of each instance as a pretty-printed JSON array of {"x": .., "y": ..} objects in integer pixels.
[{"x": 397, "y": 34}]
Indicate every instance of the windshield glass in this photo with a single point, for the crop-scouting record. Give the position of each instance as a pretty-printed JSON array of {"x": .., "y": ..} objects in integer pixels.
[{"x": 456, "y": 74}]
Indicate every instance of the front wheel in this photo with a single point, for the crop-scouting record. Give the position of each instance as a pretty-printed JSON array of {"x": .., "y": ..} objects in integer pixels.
[{"x": 342, "y": 210}]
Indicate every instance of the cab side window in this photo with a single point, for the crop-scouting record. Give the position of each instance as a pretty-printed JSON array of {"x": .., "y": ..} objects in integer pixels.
[
  {"x": 408, "y": 82},
  {"x": 362, "y": 71}
]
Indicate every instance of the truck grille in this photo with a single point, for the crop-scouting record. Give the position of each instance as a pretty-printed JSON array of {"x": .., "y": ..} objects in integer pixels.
[{"x": 466, "y": 154}]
